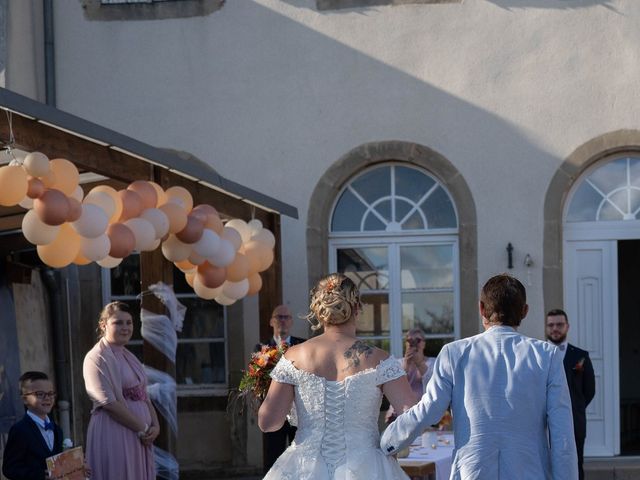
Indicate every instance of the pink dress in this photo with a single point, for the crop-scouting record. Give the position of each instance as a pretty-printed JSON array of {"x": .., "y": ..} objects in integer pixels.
[{"x": 114, "y": 451}]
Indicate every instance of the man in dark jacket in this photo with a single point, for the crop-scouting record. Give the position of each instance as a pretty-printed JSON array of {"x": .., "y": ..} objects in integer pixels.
[{"x": 580, "y": 376}]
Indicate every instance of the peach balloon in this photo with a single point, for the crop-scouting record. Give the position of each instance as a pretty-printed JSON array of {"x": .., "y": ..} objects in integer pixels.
[
  {"x": 266, "y": 261},
  {"x": 52, "y": 207},
  {"x": 109, "y": 262},
  {"x": 174, "y": 250},
  {"x": 81, "y": 260},
  {"x": 78, "y": 193},
  {"x": 144, "y": 233},
  {"x": 181, "y": 196},
  {"x": 93, "y": 221},
  {"x": 214, "y": 223},
  {"x": 210, "y": 275},
  {"x": 192, "y": 232},
  {"x": 117, "y": 201},
  {"x": 36, "y": 231},
  {"x": 255, "y": 283},
  {"x": 36, "y": 164},
  {"x": 26, "y": 203},
  {"x": 147, "y": 193},
  {"x": 13, "y": 185},
  {"x": 222, "y": 299},
  {"x": 103, "y": 200},
  {"x": 75, "y": 209},
  {"x": 132, "y": 205},
  {"x": 189, "y": 278},
  {"x": 35, "y": 187},
  {"x": 162, "y": 197},
  {"x": 265, "y": 237},
  {"x": 49, "y": 179},
  {"x": 177, "y": 216},
  {"x": 122, "y": 240},
  {"x": 254, "y": 252},
  {"x": 63, "y": 250},
  {"x": 185, "y": 266},
  {"x": 67, "y": 175},
  {"x": 235, "y": 290},
  {"x": 203, "y": 291},
  {"x": 238, "y": 269}
]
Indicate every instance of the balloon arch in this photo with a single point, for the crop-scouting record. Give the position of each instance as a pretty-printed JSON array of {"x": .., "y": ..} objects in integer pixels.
[{"x": 222, "y": 262}]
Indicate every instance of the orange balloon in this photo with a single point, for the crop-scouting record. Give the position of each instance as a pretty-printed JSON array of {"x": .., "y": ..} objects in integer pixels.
[
  {"x": 113, "y": 193},
  {"x": 266, "y": 261},
  {"x": 67, "y": 175},
  {"x": 162, "y": 197},
  {"x": 181, "y": 196},
  {"x": 52, "y": 207},
  {"x": 81, "y": 260},
  {"x": 192, "y": 232},
  {"x": 255, "y": 283},
  {"x": 147, "y": 193},
  {"x": 13, "y": 185},
  {"x": 75, "y": 209},
  {"x": 254, "y": 252},
  {"x": 49, "y": 179},
  {"x": 239, "y": 268},
  {"x": 132, "y": 205},
  {"x": 211, "y": 276},
  {"x": 122, "y": 240},
  {"x": 189, "y": 278},
  {"x": 35, "y": 187},
  {"x": 177, "y": 216},
  {"x": 185, "y": 266},
  {"x": 63, "y": 250}
]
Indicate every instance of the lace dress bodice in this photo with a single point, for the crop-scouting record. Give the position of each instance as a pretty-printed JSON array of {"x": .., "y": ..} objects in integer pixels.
[{"x": 337, "y": 425}]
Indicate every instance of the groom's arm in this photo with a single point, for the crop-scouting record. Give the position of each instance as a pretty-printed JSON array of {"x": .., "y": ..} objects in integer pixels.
[{"x": 428, "y": 411}]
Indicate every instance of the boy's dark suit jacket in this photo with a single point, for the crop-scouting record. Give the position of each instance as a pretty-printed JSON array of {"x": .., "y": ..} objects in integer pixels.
[
  {"x": 582, "y": 386},
  {"x": 26, "y": 451}
]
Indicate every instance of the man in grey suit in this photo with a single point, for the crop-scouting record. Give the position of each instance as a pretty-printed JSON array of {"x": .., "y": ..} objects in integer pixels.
[{"x": 509, "y": 398}]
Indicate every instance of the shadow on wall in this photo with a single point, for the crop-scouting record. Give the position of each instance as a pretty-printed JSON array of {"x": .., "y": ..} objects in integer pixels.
[{"x": 506, "y": 4}]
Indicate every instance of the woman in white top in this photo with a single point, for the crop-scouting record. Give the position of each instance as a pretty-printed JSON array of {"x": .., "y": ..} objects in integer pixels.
[{"x": 336, "y": 382}]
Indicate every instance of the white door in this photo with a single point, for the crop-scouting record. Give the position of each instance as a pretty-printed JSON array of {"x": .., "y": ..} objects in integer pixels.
[{"x": 591, "y": 301}]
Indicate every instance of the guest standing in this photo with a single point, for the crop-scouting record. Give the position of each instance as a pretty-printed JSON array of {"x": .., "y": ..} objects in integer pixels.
[{"x": 123, "y": 421}]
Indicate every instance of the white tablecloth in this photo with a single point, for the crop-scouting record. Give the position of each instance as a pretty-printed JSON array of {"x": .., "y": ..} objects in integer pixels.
[{"x": 441, "y": 456}]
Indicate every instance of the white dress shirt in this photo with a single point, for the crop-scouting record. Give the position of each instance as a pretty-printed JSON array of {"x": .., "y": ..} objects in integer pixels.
[{"x": 46, "y": 434}]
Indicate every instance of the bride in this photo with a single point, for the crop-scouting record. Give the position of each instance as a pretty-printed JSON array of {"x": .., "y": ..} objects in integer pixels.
[{"x": 336, "y": 382}]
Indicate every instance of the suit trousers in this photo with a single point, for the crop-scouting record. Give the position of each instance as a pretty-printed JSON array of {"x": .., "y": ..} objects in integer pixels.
[{"x": 275, "y": 443}]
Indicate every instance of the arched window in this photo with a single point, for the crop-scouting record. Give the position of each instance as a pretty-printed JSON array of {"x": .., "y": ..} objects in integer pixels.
[
  {"x": 609, "y": 193},
  {"x": 394, "y": 231}
]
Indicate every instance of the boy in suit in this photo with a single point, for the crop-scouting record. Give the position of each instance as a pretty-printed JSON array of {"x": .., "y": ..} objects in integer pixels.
[{"x": 35, "y": 437}]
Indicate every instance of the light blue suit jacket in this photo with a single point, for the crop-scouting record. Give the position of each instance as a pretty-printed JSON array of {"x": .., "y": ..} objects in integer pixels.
[{"x": 510, "y": 405}]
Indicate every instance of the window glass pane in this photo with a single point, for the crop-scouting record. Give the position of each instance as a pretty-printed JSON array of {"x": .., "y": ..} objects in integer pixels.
[
  {"x": 180, "y": 284},
  {"x": 610, "y": 176},
  {"x": 373, "y": 321},
  {"x": 434, "y": 345},
  {"x": 204, "y": 318},
  {"x": 414, "y": 222},
  {"x": 373, "y": 223},
  {"x": 374, "y": 185},
  {"x": 634, "y": 171},
  {"x": 367, "y": 266},
  {"x": 584, "y": 204},
  {"x": 439, "y": 210},
  {"x": 609, "y": 213},
  {"x": 348, "y": 213},
  {"x": 384, "y": 209},
  {"x": 200, "y": 363},
  {"x": 402, "y": 209},
  {"x": 431, "y": 311},
  {"x": 125, "y": 278},
  {"x": 412, "y": 184},
  {"x": 426, "y": 266}
]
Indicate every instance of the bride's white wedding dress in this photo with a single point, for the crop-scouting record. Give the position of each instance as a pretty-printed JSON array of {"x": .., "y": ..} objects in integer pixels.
[{"x": 337, "y": 435}]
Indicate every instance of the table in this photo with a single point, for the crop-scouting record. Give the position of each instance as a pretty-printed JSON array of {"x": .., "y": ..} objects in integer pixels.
[{"x": 431, "y": 463}]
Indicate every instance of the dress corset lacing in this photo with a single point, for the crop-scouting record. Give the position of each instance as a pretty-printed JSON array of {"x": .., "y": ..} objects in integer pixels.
[{"x": 333, "y": 441}]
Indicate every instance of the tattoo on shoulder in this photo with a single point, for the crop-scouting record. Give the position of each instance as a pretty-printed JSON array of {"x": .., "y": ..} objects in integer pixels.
[{"x": 355, "y": 352}]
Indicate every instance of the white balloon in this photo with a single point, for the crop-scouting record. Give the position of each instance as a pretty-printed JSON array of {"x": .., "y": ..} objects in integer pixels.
[
  {"x": 95, "y": 249},
  {"x": 242, "y": 228},
  {"x": 235, "y": 290},
  {"x": 205, "y": 292},
  {"x": 36, "y": 164},
  {"x": 36, "y": 231},
  {"x": 158, "y": 219},
  {"x": 26, "y": 202},
  {"x": 78, "y": 193},
  {"x": 144, "y": 233},
  {"x": 93, "y": 221},
  {"x": 208, "y": 243},
  {"x": 174, "y": 250},
  {"x": 255, "y": 226},
  {"x": 109, "y": 262},
  {"x": 222, "y": 299},
  {"x": 265, "y": 237},
  {"x": 224, "y": 255},
  {"x": 103, "y": 200},
  {"x": 233, "y": 236}
]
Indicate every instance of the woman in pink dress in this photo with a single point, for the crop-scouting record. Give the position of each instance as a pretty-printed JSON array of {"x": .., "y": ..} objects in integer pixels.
[{"x": 123, "y": 421}]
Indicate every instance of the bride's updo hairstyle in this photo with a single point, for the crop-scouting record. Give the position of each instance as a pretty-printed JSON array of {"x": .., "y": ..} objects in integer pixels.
[{"x": 334, "y": 300}]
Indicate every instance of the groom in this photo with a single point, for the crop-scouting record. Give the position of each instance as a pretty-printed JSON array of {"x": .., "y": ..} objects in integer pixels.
[{"x": 509, "y": 398}]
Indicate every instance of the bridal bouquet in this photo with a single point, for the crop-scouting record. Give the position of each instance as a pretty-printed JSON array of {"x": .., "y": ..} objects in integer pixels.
[{"x": 255, "y": 379}]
